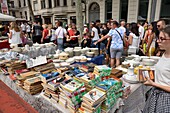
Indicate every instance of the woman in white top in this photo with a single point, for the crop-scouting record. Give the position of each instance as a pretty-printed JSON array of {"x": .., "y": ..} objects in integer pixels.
[
  {"x": 133, "y": 39},
  {"x": 15, "y": 35},
  {"x": 159, "y": 98},
  {"x": 94, "y": 34}
]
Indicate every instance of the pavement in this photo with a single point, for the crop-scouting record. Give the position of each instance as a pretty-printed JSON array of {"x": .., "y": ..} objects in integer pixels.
[{"x": 10, "y": 102}]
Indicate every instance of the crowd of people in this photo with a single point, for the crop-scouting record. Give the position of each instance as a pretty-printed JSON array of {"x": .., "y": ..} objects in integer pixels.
[{"x": 113, "y": 39}]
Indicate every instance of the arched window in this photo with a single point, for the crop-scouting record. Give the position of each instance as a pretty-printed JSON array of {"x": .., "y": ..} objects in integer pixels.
[{"x": 94, "y": 12}]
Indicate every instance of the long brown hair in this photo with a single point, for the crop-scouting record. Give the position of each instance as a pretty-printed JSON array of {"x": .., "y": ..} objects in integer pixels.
[{"x": 14, "y": 26}]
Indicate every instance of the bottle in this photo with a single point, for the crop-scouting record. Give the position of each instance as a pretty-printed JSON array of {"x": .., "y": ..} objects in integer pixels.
[{"x": 144, "y": 47}]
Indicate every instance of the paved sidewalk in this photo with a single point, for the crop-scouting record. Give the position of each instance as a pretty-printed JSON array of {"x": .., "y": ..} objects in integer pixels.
[{"x": 10, "y": 102}]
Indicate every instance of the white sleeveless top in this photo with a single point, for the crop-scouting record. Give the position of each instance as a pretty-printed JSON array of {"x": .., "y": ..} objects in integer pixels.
[
  {"x": 135, "y": 44},
  {"x": 16, "y": 39},
  {"x": 162, "y": 71}
]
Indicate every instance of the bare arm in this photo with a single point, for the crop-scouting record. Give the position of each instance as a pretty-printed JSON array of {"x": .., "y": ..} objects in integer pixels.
[
  {"x": 10, "y": 35},
  {"x": 150, "y": 40},
  {"x": 146, "y": 34},
  {"x": 130, "y": 40},
  {"x": 109, "y": 41},
  {"x": 149, "y": 82}
]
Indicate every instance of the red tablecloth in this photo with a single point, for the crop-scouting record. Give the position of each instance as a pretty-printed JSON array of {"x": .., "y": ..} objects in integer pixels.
[{"x": 4, "y": 44}]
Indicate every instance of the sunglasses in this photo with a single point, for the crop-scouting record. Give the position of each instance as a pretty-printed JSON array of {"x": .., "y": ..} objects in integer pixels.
[{"x": 163, "y": 39}]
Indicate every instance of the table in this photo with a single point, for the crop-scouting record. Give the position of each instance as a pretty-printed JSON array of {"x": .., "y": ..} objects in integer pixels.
[
  {"x": 133, "y": 104},
  {"x": 4, "y": 44}
]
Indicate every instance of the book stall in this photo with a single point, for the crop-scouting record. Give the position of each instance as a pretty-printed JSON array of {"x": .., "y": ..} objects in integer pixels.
[{"x": 75, "y": 80}]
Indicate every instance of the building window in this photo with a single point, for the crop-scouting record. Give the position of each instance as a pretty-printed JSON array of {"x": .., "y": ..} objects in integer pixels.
[
  {"x": 143, "y": 9},
  {"x": 73, "y": 3},
  {"x": 108, "y": 9},
  {"x": 12, "y": 4},
  {"x": 50, "y": 4},
  {"x": 35, "y": 5},
  {"x": 65, "y": 2},
  {"x": 13, "y": 14},
  {"x": 19, "y": 3},
  {"x": 21, "y": 14},
  {"x": 24, "y": 3},
  {"x": 56, "y": 3},
  {"x": 165, "y": 7},
  {"x": 26, "y": 15},
  {"x": 42, "y": 4},
  {"x": 124, "y": 9}
]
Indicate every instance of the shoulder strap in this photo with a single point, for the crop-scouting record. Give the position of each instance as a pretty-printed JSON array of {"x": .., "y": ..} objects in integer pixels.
[{"x": 119, "y": 34}]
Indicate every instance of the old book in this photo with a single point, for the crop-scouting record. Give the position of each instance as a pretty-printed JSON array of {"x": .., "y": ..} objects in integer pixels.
[
  {"x": 49, "y": 76},
  {"x": 94, "y": 97},
  {"x": 32, "y": 81},
  {"x": 143, "y": 73}
]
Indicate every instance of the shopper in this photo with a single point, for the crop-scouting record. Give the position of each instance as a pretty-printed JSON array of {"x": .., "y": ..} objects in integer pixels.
[
  {"x": 23, "y": 27},
  {"x": 159, "y": 98},
  {"x": 60, "y": 33},
  {"x": 28, "y": 30},
  {"x": 53, "y": 36},
  {"x": 45, "y": 34},
  {"x": 15, "y": 34},
  {"x": 133, "y": 40},
  {"x": 94, "y": 34},
  {"x": 149, "y": 39},
  {"x": 37, "y": 32},
  {"x": 116, "y": 47},
  {"x": 73, "y": 36},
  {"x": 160, "y": 25}
]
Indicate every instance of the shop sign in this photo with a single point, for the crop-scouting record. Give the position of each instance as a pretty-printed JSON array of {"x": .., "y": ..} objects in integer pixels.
[{"x": 4, "y": 6}]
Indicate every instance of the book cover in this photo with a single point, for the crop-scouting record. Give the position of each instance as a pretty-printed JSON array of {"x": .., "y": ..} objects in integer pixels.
[
  {"x": 71, "y": 85},
  {"x": 33, "y": 80},
  {"x": 94, "y": 96},
  {"x": 21, "y": 71},
  {"x": 143, "y": 73}
]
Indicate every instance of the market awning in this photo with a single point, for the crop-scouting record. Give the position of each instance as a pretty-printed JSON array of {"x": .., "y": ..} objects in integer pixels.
[{"x": 4, "y": 17}]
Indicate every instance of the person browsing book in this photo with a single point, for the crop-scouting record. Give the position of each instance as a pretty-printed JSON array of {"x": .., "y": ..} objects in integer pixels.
[{"x": 159, "y": 98}]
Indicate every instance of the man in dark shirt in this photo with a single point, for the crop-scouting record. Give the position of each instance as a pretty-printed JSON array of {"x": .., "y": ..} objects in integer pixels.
[{"x": 37, "y": 32}]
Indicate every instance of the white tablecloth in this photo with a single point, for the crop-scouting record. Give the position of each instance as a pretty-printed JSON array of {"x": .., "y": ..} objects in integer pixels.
[{"x": 133, "y": 104}]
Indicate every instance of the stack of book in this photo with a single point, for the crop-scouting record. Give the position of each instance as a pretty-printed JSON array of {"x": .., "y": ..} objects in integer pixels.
[
  {"x": 23, "y": 75},
  {"x": 92, "y": 101},
  {"x": 71, "y": 92},
  {"x": 45, "y": 68},
  {"x": 116, "y": 72},
  {"x": 112, "y": 87},
  {"x": 89, "y": 80},
  {"x": 102, "y": 70},
  {"x": 15, "y": 66},
  {"x": 33, "y": 85},
  {"x": 51, "y": 88}
]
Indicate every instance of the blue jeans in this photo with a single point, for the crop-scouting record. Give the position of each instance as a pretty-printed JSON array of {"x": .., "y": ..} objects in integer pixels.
[{"x": 60, "y": 43}]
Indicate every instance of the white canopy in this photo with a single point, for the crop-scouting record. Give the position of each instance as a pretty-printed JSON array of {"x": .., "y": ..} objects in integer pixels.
[{"x": 4, "y": 17}]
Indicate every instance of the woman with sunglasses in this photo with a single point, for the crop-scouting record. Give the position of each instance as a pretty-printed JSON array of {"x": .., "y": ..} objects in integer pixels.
[{"x": 159, "y": 98}]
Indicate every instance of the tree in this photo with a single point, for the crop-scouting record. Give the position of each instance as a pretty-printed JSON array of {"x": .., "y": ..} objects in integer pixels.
[
  {"x": 79, "y": 18},
  {"x": 30, "y": 10}
]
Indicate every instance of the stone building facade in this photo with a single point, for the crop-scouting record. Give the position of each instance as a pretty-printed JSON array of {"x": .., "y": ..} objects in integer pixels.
[{"x": 47, "y": 11}]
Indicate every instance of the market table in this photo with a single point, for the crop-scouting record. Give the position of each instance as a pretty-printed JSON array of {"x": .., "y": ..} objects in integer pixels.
[
  {"x": 133, "y": 104},
  {"x": 4, "y": 44}
]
